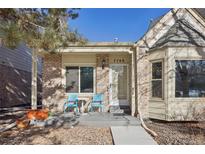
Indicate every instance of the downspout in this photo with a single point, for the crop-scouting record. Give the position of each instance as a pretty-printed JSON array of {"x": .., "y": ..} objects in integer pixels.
[{"x": 138, "y": 111}]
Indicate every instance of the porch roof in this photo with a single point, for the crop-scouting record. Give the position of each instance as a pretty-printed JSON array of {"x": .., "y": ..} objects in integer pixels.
[
  {"x": 103, "y": 44},
  {"x": 96, "y": 47},
  {"x": 101, "y": 47}
]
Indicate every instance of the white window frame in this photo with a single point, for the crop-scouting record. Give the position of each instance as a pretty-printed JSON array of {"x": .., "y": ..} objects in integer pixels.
[
  {"x": 185, "y": 59},
  {"x": 79, "y": 66},
  {"x": 162, "y": 79}
]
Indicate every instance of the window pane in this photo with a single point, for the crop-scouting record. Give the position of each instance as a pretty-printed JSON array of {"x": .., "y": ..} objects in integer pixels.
[
  {"x": 72, "y": 79},
  {"x": 157, "y": 70},
  {"x": 157, "y": 88},
  {"x": 157, "y": 79},
  {"x": 86, "y": 79},
  {"x": 190, "y": 78}
]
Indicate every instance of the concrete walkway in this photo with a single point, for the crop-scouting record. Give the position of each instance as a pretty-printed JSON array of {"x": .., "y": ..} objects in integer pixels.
[
  {"x": 125, "y": 129},
  {"x": 131, "y": 135}
]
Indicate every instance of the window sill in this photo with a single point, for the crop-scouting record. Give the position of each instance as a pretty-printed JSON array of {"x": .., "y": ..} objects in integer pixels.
[
  {"x": 189, "y": 98},
  {"x": 82, "y": 94},
  {"x": 156, "y": 99}
]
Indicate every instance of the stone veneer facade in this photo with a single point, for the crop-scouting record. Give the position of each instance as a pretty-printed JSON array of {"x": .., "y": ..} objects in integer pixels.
[{"x": 102, "y": 77}]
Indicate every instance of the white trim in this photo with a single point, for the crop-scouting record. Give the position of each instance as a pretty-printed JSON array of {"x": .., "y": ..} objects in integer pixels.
[
  {"x": 96, "y": 50},
  {"x": 79, "y": 75},
  {"x": 197, "y": 16},
  {"x": 162, "y": 79},
  {"x": 185, "y": 98},
  {"x": 157, "y": 30},
  {"x": 80, "y": 65}
]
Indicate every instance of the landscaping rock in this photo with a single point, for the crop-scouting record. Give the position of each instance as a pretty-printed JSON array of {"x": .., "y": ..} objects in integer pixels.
[
  {"x": 50, "y": 122},
  {"x": 67, "y": 115},
  {"x": 67, "y": 125},
  {"x": 32, "y": 122},
  {"x": 70, "y": 124},
  {"x": 40, "y": 123},
  {"x": 75, "y": 123},
  {"x": 59, "y": 123},
  {"x": 6, "y": 121}
]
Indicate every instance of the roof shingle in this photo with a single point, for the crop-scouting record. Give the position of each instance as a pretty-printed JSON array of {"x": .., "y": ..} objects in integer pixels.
[{"x": 181, "y": 34}]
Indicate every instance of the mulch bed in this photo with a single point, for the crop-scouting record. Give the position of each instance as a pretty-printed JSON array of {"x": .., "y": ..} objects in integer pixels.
[
  {"x": 44, "y": 136},
  {"x": 178, "y": 133}
]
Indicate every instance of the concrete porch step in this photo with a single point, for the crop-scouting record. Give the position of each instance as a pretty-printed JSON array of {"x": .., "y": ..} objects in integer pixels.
[
  {"x": 120, "y": 109},
  {"x": 108, "y": 119},
  {"x": 126, "y": 109}
]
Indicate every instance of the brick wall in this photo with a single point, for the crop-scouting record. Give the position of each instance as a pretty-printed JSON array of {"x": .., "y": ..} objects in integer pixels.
[
  {"x": 15, "y": 87},
  {"x": 53, "y": 91}
]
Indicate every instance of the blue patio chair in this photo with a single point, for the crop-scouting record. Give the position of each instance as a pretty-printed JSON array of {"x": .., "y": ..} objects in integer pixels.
[
  {"x": 71, "y": 102},
  {"x": 97, "y": 102}
]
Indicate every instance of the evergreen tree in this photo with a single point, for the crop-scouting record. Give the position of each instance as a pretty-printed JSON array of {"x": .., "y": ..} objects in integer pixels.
[
  {"x": 45, "y": 29},
  {"x": 40, "y": 29}
]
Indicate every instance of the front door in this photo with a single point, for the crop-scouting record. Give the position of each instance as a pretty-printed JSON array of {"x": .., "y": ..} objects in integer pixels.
[{"x": 119, "y": 85}]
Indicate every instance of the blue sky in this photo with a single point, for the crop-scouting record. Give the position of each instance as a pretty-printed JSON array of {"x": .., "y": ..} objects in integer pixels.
[{"x": 107, "y": 24}]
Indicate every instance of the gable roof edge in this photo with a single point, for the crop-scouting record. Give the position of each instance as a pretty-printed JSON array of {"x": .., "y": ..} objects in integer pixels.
[
  {"x": 147, "y": 38},
  {"x": 197, "y": 16},
  {"x": 164, "y": 19}
]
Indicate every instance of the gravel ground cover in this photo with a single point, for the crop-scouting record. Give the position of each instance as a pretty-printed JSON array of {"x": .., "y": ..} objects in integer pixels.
[
  {"x": 65, "y": 133},
  {"x": 49, "y": 136},
  {"x": 178, "y": 133}
]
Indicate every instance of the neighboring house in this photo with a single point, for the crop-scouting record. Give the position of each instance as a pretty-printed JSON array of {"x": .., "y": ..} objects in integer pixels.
[
  {"x": 15, "y": 76},
  {"x": 162, "y": 74}
]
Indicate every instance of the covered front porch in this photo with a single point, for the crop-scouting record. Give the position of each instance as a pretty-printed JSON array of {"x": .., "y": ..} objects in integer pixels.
[{"x": 97, "y": 68}]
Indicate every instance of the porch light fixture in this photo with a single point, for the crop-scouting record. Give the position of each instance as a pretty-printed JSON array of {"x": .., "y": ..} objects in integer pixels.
[{"x": 103, "y": 63}]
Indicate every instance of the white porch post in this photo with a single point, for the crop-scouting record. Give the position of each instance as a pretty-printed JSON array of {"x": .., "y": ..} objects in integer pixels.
[
  {"x": 133, "y": 66},
  {"x": 34, "y": 80}
]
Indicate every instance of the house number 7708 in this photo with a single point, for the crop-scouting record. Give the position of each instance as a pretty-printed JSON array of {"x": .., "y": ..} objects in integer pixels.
[{"x": 120, "y": 60}]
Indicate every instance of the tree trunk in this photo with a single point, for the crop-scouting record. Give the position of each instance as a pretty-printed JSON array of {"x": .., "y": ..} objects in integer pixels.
[{"x": 34, "y": 80}]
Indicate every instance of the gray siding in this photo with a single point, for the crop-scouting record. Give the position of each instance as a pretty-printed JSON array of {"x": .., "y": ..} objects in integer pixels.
[
  {"x": 19, "y": 58},
  {"x": 15, "y": 76}
]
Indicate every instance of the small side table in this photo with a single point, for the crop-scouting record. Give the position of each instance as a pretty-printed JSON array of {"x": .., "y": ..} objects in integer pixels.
[{"x": 82, "y": 102}]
